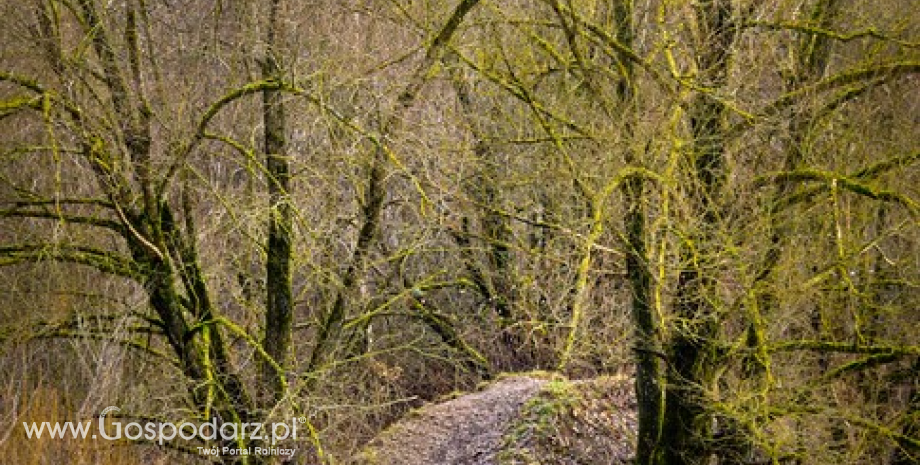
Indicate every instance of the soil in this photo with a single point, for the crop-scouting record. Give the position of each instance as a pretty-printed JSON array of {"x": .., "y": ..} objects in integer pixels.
[{"x": 519, "y": 419}]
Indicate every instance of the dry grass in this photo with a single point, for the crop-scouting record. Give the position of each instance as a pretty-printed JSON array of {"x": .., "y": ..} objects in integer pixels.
[{"x": 47, "y": 404}]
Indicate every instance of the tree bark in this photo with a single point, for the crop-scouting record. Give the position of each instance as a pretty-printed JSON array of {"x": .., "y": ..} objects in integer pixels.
[
  {"x": 279, "y": 301},
  {"x": 688, "y": 424},
  {"x": 649, "y": 376}
]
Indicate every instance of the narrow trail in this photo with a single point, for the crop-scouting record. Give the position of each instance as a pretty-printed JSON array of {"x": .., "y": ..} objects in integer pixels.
[{"x": 463, "y": 431}]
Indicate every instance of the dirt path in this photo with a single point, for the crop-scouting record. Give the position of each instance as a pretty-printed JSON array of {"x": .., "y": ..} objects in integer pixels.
[{"x": 464, "y": 431}]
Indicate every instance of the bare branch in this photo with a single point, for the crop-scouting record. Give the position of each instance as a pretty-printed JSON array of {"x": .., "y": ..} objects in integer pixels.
[
  {"x": 75, "y": 219},
  {"x": 201, "y": 133},
  {"x": 843, "y": 347},
  {"x": 830, "y": 34},
  {"x": 102, "y": 260},
  {"x": 851, "y": 184}
]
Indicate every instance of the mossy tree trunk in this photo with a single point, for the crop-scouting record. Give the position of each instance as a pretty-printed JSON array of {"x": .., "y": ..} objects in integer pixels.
[
  {"x": 649, "y": 382},
  {"x": 159, "y": 233},
  {"x": 693, "y": 345},
  {"x": 279, "y": 302}
]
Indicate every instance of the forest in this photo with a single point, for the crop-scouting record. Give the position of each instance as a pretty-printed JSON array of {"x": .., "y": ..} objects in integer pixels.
[{"x": 241, "y": 211}]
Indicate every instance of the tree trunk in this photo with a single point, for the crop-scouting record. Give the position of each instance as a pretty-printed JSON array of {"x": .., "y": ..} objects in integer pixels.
[
  {"x": 688, "y": 424},
  {"x": 279, "y": 307},
  {"x": 649, "y": 377}
]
